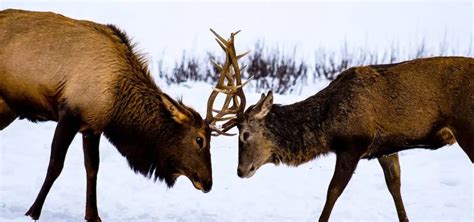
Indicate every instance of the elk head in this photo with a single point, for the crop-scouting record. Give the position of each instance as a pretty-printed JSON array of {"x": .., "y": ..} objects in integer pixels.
[{"x": 189, "y": 154}]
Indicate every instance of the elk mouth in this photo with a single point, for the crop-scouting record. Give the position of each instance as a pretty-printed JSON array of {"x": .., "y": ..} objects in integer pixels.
[{"x": 204, "y": 187}]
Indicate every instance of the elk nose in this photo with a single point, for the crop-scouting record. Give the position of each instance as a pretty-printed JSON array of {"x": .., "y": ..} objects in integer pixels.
[{"x": 207, "y": 186}]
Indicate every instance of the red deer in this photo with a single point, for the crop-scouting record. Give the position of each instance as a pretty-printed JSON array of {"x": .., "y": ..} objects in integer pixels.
[
  {"x": 367, "y": 112},
  {"x": 88, "y": 78}
]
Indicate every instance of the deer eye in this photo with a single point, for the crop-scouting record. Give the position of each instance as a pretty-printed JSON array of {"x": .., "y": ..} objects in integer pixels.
[
  {"x": 200, "y": 141},
  {"x": 245, "y": 136}
]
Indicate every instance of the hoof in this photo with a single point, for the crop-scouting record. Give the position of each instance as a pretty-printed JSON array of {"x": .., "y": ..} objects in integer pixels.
[
  {"x": 93, "y": 219},
  {"x": 31, "y": 213}
]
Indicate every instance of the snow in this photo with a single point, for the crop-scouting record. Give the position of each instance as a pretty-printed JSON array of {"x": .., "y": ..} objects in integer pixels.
[{"x": 436, "y": 185}]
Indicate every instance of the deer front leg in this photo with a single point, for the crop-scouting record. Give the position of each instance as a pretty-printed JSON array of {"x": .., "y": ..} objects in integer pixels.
[
  {"x": 64, "y": 134},
  {"x": 391, "y": 170},
  {"x": 90, "y": 143},
  {"x": 346, "y": 163}
]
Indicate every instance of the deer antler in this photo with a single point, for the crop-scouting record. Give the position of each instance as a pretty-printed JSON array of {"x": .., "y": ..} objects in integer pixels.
[{"x": 232, "y": 89}]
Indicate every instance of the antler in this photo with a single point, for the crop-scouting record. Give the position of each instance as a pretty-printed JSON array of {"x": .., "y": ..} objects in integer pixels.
[{"x": 232, "y": 89}]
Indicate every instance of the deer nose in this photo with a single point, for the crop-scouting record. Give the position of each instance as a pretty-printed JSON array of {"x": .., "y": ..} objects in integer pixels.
[{"x": 242, "y": 172}]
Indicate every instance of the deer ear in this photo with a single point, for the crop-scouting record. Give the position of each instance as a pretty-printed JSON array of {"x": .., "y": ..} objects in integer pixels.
[
  {"x": 263, "y": 107},
  {"x": 179, "y": 113}
]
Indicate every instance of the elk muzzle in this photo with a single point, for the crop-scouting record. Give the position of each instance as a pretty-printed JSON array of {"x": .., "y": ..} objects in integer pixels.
[{"x": 204, "y": 185}]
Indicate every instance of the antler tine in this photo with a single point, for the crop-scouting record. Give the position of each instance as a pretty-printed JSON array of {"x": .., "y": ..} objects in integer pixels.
[
  {"x": 222, "y": 113},
  {"x": 219, "y": 67},
  {"x": 223, "y": 45},
  {"x": 235, "y": 33},
  {"x": 212, "y": 97},
  {"x": 238, "y": 77},
  {"x": 220, "y": 132},
  {"x": 222, "y": 40},
  {"x": 232, "y": 89},
  {"x": 242, "y": 55}
]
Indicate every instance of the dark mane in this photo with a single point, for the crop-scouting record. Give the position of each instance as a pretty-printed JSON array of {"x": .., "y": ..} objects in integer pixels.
[
  {"x": 136, "y": 60},
  {"x": 294, "y": 145},
  {"x": 137, "y": 136},
  {"x": 133, "y": 127},
  {"x": 122, "y": 36},
  {"x": 135, "y": 133}
]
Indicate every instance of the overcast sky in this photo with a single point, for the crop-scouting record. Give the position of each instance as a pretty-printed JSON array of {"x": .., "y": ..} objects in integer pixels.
[{"x": 164, "y": 29}]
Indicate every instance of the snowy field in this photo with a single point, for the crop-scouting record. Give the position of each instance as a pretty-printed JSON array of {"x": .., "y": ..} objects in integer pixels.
[{"x": 436, "y": 185}]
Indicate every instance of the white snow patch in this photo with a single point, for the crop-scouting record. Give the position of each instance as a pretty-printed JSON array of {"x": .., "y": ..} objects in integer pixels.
[{"x": 436, "y": 185}]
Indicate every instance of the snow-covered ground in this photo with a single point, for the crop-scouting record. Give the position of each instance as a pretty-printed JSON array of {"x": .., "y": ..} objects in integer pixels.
[{"x": 436, "y": 185}]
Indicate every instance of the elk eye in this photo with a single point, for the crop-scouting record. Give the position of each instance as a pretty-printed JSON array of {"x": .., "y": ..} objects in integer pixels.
[
  {"x": 245, "y": 136},
  {"x": 199, "y": 141}
]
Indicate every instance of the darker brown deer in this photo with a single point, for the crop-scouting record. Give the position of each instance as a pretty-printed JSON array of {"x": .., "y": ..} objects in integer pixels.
[
  {"x": 367, "y": 112},
  {"x": 88, "y": 78}
]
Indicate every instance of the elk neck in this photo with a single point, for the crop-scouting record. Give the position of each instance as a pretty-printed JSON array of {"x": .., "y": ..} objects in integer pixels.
[
  {"x": 298, "y": 131},
  {"x": 138, "y": 124}
]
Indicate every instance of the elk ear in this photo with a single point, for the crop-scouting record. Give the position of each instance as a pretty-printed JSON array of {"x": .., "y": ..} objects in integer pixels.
[
  {"x": 263, "y": 107},
  {"x": 179, "y": 113}
]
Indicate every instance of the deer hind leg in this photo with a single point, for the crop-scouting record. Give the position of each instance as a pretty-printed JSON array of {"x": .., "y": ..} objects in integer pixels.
[
  {"x": 464, "y": 134},
  {"x": 90, "y": 143},
  {"x": 346, "y": 163},
  {"x": 7, "y": 115},
  {"x": 67, "y": 127},
  {"x": 391, "y": 170}
]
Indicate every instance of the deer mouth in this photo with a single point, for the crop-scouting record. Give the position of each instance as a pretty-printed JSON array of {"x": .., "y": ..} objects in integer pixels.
[{"x": 247, "y": 173}]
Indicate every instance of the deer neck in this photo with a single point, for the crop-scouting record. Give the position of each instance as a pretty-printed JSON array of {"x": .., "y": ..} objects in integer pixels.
[{"x": 298, "y": 132}]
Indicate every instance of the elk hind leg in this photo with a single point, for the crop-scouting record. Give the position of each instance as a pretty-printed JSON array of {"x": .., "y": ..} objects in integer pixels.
[
  {"x": 7, "y": 115},
  {"x": 391, "y": 169},
  {"x": 464, "y": 134},
  {"x": 67, "y": 127}
]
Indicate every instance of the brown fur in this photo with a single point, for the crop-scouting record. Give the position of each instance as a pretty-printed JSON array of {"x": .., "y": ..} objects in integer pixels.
[
  {"x": 87, "y": 77},
  {"x": 367, "y": 112}
]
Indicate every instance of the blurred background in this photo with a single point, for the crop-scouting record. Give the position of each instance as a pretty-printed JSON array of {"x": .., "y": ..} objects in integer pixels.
[{"x": 291, "y": 42}]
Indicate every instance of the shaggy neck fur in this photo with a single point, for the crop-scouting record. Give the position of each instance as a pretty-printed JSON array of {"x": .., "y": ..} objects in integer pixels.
[
  {"x": 139, "y": 126},
  {"x": 297, "y": 132}
]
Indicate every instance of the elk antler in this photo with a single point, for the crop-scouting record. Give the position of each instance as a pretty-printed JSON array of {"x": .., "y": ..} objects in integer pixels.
[{"x": 232, "y": 89}]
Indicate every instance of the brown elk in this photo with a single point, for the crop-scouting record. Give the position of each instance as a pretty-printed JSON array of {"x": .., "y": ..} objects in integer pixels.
[
  {"x": 367, "y": 112},
  {"x": 87, "y": 77}
]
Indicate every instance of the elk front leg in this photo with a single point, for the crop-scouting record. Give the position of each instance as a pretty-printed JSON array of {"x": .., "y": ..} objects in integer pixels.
[
  {"x": 64, "y": 134},
  {"x": 7, "y": 115},
  {"x": 391, "y": 170},
  {"x": 90, "y": 143},
  {"x": 346, "y": 163}
]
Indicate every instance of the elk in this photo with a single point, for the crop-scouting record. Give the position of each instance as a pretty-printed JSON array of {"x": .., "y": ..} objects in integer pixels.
[
  {"x": 88, "y": 78},
  {"x": 367, "y": 112}
]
